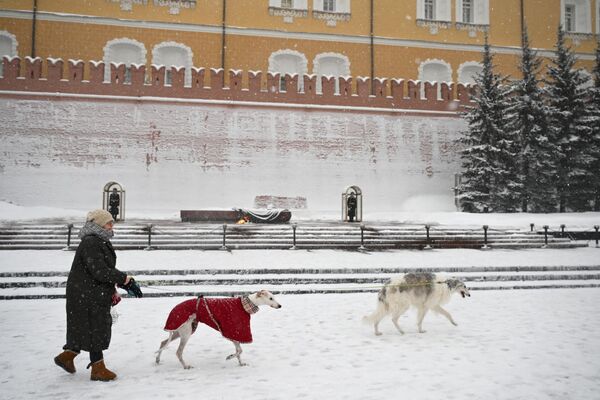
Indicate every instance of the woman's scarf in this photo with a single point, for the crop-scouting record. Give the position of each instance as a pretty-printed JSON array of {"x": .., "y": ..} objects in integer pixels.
[{"x": 91, "y": 228}]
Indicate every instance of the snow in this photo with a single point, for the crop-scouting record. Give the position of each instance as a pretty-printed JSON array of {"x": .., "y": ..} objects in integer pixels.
[
  {"x": 412, "y": 212},
  {"x": 508, "y": 345}
]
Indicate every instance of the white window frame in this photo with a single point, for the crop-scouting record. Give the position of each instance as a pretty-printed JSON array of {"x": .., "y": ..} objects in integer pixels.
[
  {"x": 598, "y": 18},
  {"x": 583, "y": 16},
  {"x": 168, "y": 69},
  {"x": 289, "y": 11},
  {"x": 108, "y": 57},
  {"x": 480, "y": 12},
  {"x": 344, "y": 61},
  {"x": 13, "y": 50},
  {"x": 438, "y": 14},
  {"x": 303, "y": 66},
  {"x": 464, "y": 65},
  {"x": 422, "y": 73}
]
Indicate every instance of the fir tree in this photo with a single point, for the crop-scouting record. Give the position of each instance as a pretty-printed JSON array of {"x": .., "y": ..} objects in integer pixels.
[
  {"x": 570, "y": 125},
  {"x": 595, "y": 115},
  {"x": 488, "y": 159},
  {"x": 527, "y": 121}
]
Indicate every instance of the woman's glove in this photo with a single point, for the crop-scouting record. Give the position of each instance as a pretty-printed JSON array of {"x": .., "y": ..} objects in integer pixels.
[
  {"x": 132, "y": 288},
  {"x": 116, "y": 298}
]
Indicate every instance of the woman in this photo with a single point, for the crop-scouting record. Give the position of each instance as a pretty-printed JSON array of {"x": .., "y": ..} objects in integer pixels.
[{"x": 90, "y": 287}]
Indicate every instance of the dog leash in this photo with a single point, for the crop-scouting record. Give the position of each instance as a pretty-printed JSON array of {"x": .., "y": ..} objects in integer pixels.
[{"x": 200, "y": 298}]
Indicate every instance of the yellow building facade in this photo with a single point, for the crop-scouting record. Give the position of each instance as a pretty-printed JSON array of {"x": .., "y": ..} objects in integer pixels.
[{"x": 412, "y": 39}]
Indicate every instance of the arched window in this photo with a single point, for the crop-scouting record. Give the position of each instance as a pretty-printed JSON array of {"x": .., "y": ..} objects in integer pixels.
[
  {"x": 576, "y": 16},
  {"x": 172, "y": 54},
  {"x": 468, "y": 71},
  {"x": 434, "y": 71},
  {"x": 123, "y": 51},
  {"x": 330, "y": 64},
  {"x": 288, "y": 62},
  {"x": 8, "y": 47}
]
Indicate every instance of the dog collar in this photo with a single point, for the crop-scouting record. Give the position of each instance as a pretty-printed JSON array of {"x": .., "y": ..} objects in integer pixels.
[{"x": 248, "y": 305}]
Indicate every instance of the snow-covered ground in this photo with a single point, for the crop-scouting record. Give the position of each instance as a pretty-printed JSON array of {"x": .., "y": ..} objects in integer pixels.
[
  {"x": 417, "y": 215},
  {"x": 538, "y": 344},
  {"x": 136, "y": 260},
  {"x": 518, "y": 344}
]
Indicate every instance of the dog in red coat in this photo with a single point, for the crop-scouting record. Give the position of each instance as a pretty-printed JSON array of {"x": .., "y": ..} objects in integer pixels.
[{"x": 229, "y": 316}]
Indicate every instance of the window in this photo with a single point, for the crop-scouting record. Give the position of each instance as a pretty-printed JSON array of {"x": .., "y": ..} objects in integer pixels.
[
  {"x": 467, "y": 11},
  {"x": 434, "y": 71},
  {"x": 287, "y": 3},
  {"x": 330, "y": 64},
  {"x": 570, "y": 18},
  {"x": 289, "y": 62},
  {"x": 123, "y": 51},
  {"x": 576, "y": 16},
  {"x": 173, "y": 55},
  {"x": 8, "y": 47},
  {"x": 329, "y": 5},
  {"x": 429, "y": 9},
  {"x": 468, "y": 71}
]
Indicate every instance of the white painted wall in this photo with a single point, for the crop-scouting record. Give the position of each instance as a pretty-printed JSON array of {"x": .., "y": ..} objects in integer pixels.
[{"x": 61, "y": 153}]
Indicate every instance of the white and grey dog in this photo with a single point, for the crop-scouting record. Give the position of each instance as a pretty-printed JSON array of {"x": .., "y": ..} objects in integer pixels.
[{"x": 424, "y": 290}]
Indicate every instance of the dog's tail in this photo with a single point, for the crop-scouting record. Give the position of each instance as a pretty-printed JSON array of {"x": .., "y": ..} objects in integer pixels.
[{"x": 376, "y": 315}]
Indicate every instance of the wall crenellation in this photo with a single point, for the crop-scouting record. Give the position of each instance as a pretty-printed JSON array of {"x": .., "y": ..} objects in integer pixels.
[{"x": 37, "y": 75}]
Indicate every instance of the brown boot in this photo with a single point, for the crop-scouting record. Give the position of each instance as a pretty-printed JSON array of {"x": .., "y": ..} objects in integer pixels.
[
  {"x": 65, "y": 361},
  {"x": 100, "y": 372}
]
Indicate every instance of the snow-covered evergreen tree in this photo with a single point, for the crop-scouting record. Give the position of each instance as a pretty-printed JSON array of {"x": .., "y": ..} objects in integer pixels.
[
  {"x": 570, "y": 124},
  {"x": 527, "y": 122},
  {"x": 488, "y": 157},
  {"x": 595, "y": 115}
]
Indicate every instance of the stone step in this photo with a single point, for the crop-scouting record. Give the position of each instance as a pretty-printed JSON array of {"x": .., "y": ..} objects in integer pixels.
[
  {"x": 272, "y": 281},
  {"x": 202, "y": 237},
  {"x": 187, "y": 291},
  {"x": 212, "y": 282}
]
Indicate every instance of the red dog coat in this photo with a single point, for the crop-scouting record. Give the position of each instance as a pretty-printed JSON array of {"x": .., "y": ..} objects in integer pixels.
[{"x": 229, "y": 313}]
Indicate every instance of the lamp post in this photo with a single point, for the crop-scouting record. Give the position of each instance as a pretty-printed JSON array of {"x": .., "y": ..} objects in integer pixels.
[
  {"x": 69, "y": 230},
  {"x": 485, "y": 239},
  {"x": 294, "y": 226},
  {"x": 224, "y": 246},
  {"x": 428, "y": 245},
  {"x": 149, "y": 227},
  {"x": 362, "y": 237}
]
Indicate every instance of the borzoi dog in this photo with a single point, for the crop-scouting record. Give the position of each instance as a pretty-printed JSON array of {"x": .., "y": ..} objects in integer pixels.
[
  {"x": 426, "y": 291},
  {"x": 230, "y": 316}
]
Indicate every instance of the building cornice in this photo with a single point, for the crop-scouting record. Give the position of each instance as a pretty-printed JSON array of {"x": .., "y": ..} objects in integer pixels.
[{"x": 271, "y": 33}]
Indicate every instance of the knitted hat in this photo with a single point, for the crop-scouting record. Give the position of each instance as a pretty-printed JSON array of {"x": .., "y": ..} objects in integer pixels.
[{"x": 99, "y": 217}]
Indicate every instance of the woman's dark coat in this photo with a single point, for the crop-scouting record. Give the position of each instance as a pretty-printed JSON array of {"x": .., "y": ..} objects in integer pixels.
[{"x": 90, "y": 287}]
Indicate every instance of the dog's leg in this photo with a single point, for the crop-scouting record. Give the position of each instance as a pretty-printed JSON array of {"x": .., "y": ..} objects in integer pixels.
[
  {"x": 185, "y": 331},
  {"x": 420, "y": 315},
  {"x": 163, "y": 345},
  {"x": 377, "y": 317},
  {"x": 445, "y": 313},
  {"x": 238, "y": 353},
  {"x": 396, "y": 315}
]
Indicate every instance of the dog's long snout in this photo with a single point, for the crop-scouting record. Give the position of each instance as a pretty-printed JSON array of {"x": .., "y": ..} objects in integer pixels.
[{"x": 276, "y": 305}]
